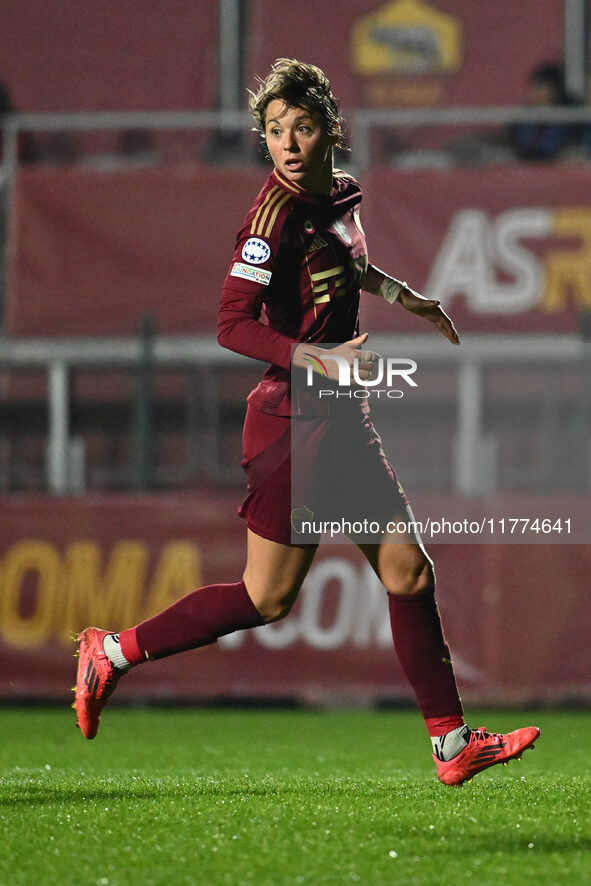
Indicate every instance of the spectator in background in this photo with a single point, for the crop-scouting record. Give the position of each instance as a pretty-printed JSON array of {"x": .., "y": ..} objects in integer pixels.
[
  {"x": 543, "y": 142},
  {"x": 51, "y": 147},
  {"x": 138, "y": 147},
  {"x": 26, "y": 147},
  {"x": 583, "y": 140}
]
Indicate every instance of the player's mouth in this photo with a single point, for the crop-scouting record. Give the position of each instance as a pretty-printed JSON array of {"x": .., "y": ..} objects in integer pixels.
[{"x": 294, "y": 165}]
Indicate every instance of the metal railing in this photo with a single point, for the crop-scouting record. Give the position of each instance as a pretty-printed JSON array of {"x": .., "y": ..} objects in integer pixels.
[
  {"x": 362, "y": 122},
  {"x": 473, "y": 466}
]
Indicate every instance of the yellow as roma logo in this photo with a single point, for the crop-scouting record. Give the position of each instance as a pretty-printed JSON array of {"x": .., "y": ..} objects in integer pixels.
[{"x": 407, "y": 37}]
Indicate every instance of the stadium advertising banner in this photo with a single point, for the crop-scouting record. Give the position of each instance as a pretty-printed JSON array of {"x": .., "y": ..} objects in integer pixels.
[
  {"x": 110, "y": 58},
  {"x": 506, "y": 249},
  {"x": 115, "y": 560},
  {"x": 410, "y": 53},
  {"x": 381, "y": 53}
]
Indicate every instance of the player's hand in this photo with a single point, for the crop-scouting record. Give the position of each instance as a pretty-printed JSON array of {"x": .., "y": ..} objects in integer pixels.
[
  {"x": 431, "y": 310},
  {"x": 306, "y": 355},
  {"x": 352, "y": 350}
]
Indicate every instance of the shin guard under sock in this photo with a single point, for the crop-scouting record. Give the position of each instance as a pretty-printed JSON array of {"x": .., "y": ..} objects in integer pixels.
[
  {"x": 195, "y": 620},
  {"x": 425, "y": 659}
]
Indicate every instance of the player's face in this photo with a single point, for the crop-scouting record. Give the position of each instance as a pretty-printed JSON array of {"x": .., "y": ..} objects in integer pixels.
[{"x": 299, "y": 146}]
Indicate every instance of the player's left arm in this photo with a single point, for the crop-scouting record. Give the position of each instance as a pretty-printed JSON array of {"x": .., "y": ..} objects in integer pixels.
[{"x": 393, "y": 290}]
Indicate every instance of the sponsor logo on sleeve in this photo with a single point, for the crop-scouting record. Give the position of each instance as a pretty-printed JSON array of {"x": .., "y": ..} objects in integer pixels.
[
  {"x": 247, "y": 272},
  {"x": 255, "y": 251}
]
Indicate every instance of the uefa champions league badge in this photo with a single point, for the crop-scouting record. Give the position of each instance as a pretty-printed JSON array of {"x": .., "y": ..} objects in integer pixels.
[{"x": 256, "y": 251}]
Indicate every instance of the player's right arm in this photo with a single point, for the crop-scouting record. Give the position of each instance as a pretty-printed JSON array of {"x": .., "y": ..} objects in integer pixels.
[
  {"x": 250, "y": 279},
  {"x": 252, "y": 274},
  {"x": 240, "y": 328}
]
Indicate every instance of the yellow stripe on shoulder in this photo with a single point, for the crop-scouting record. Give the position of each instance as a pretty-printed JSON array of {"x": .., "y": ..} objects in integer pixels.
[
  {"x": 263, "y": 208},
  {"x": 275, "y": 213},
  {"x": 276, "y": 195}
]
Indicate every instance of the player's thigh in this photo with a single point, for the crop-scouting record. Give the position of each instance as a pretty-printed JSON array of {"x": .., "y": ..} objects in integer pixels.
[{"x": 274, "y": 574}]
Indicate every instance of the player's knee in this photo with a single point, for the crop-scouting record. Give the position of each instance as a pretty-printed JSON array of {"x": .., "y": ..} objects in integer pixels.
[
  {"x": 273, "y": 604},
  {"x": 274, "y": 610},
  {"x": 407, "y": 579}
]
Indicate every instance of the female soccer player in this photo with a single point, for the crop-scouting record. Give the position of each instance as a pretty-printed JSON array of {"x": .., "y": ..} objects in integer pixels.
[{"x": 301, "y": 261}]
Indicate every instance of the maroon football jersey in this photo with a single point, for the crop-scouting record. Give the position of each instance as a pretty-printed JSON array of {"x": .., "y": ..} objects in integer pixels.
[{"x": 295, "y": 276}]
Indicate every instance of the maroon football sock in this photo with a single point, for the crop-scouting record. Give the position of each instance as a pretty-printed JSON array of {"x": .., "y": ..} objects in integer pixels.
[
  {"x": 425, "y": 659},
  {"x": 195, "y": 620}
]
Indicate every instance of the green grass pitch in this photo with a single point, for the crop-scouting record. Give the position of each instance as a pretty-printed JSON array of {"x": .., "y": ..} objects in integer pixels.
[{"x": 174, "y": 797}]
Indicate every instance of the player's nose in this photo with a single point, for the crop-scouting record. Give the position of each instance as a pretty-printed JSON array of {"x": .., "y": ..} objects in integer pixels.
[{"x": 289, "y": 142}]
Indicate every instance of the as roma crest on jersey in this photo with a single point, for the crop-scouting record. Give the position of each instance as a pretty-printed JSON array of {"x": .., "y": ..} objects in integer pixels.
[{"x": 339, "y": 228}]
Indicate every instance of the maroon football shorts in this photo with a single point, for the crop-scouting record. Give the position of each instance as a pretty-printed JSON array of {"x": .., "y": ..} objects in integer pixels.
[{"x": 321, "y": 469}]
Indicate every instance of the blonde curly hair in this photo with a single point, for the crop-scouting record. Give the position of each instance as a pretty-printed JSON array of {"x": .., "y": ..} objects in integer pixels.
[{"x": 298, "y": 85}]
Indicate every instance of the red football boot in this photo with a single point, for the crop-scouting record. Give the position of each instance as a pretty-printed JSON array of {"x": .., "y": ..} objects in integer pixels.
[
  {"x": 485, "y": 749},
  {"x": 96, "y": 680}
]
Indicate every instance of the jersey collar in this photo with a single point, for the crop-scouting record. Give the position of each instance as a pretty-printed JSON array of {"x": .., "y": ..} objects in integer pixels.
[{"x": 345, "y": 190}]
